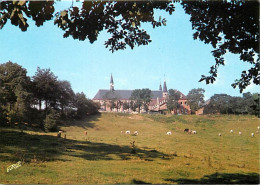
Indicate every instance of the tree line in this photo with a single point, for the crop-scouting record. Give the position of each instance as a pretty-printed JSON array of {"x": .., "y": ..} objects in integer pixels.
[
  {"x": 41, "y": 99},
  {"x": 223, "y": 103},
  {"x": 217, "y": 104},
  {"x": 226, "y": 104}
]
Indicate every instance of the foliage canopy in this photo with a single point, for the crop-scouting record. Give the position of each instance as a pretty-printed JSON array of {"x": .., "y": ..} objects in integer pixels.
[{"x": 229, "y": 26}]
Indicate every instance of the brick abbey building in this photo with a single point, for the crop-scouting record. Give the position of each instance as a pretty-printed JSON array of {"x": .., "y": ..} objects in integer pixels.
[{"x": 158, "y": 100}]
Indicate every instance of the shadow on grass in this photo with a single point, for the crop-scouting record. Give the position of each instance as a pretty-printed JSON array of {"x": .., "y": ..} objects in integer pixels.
[
  {"x": 221, "y": 178},
  {"x": 15, "y": 146},
  {"x": 134, "y": 181},
  {"x": 86, "y": 123},
  {"x": 22, "y": 146},
  {"x": 104, "y": 151}
]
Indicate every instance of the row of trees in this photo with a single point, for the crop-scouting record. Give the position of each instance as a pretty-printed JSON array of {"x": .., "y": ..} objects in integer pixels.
[
  {"x": 225, "y": 104},
  {"x": 41, "y": 99},
  {"x": 140, "y": 99},
  {"x": 218, "y": 103}
]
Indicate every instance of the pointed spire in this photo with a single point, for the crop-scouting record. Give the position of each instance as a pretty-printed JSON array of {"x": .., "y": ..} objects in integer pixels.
[
  {"x": 111, "y": 83},
  {"x": 160, "y": 87},
  {"x": 111, "y": 79},
  {"x": 164, "y": 87}
]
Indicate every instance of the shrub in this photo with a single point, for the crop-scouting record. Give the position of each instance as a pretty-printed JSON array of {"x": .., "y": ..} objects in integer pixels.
[{"x": 51, "y": 122}]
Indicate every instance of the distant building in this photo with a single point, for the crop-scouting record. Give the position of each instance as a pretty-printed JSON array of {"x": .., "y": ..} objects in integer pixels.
[
  {"x": 158, "y": 100},
  {"x": 201, "y": 110}
]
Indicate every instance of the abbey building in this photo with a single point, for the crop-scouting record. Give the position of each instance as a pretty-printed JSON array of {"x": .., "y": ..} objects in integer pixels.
[{"x": 113, "y": 100}]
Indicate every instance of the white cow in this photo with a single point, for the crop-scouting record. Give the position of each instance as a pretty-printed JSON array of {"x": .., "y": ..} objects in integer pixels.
[
  {"x": 231, "y": 131},
  {"x": 136, "y": 133},
  {"x": 252, "y": 134},
  {"x": 169, "y": 133},
  {"x": 127, "y": 132},
  {"x": 240, "y": 133}
]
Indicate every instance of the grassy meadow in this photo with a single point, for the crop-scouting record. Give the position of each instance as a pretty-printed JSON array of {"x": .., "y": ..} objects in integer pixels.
[{"x": 105, "y": 156}]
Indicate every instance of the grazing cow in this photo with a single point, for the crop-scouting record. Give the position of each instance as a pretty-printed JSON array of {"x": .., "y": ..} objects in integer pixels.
[
  {"x": 252, "y": 134},
  {"x": 127, "y": 132},
  {"x": 231, "y": 131},
  {"x": 257, "y": 132},
  {"x": 136, "y": 133},
  {"x": 59, "y": 134},
  {"x": 258, "y": 127},
  {"x": 169, "y": 133},
  {"x": 240, "y": 133},
  {"x": 121, "y": 132},
  {"x": 194, "y": 132},
  {"x": 86, "y": 133},
  {"x": 186, "y": 130},
  {"x": 219, "y": 134}
]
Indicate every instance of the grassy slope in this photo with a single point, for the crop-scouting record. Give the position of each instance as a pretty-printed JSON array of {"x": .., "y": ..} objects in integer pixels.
[{"x": 106, "y": 155}]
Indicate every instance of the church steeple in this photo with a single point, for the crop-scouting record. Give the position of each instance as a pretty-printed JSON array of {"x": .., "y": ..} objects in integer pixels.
[
  {"x": 111, "y": 83},
  {"x": 164, "y": 87},
  {"x": 160, "y": 87},
  {"x": 165, "y": 92}
]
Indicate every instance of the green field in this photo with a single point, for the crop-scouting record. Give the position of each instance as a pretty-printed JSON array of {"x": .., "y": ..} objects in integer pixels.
[{"x": 105, "y": 156}]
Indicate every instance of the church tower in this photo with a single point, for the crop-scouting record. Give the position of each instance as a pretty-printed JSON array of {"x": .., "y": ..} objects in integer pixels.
[
  {"x": 111, "y": 83},
  {"x": 165, "y": 92},
  {"x": 160, "y": 87}
]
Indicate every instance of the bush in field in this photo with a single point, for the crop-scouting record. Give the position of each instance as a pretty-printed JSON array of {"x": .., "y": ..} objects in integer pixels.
[
  {"x": 85, "y": 106},
  {"x": 51, "y": 122}
]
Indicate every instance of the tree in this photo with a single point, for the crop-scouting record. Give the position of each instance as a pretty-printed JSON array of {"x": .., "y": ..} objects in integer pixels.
[
  {"x": 256, "y": 105},
  {"x": 121, "y": 19},
  {"x": 225, "y": 104},
  {"x": 65, "y": 95},
  {"x": 132, "y": 105},
  {"x": 195, "y": 98},
  {"x": 141, "y": 98},
  {"x": 236, "y": 105},
  {"x": 14, "y": 91},
  {"x": 84, "y": 106},
  {"x": 126, "y": 106},
  {"x": 114, "y": 99},
  {"x": 15, "y": 11},
  {"x": 172, "y": 100},
  {"x": 112, "y": 104},
  {"x": 52, "y": 120},
  {"x": 45, "y": 86},
  {"x": 229, "y": 26},
  {"x": 247, "y": 102},
  {"x": 219, "y": 103}
]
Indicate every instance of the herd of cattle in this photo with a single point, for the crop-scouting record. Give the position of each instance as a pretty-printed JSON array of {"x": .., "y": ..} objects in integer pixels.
[{"x": 190, "y": 131}]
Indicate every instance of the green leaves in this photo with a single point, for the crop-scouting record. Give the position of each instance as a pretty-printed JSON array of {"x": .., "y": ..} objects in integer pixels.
[
  {"x": 196, "y": 98},
  {"x": 229, "y": 26},
  {"x": 141, "y": 98},
  {"x": 172, "y": 100}
]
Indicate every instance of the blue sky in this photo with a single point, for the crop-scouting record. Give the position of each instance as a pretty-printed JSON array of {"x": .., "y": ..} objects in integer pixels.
[{"x": 173, "y": 56}]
